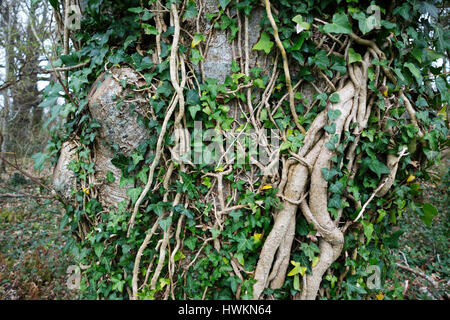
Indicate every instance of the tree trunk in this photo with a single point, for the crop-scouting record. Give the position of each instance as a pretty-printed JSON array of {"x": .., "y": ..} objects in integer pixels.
[
  {"x": 4, "y": 130},
  {"x": 318, "y": 148}
]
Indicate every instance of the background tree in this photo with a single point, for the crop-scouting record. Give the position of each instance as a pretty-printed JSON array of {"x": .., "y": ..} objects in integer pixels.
[{"x": 23, "y": 56}]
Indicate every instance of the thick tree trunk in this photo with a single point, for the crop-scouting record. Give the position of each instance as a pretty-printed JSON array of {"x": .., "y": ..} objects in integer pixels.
[{"x": 302, "y": 183}]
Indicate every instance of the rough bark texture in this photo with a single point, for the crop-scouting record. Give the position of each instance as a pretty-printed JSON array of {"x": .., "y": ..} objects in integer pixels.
[
  {"x": 217, "y": 64},
  {"x": 63, "y": 178},
  {"x": 119, "y": 127}
]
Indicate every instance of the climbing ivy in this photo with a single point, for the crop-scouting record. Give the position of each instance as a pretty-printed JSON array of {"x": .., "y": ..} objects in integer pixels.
[{"x": 322, "y": 41}]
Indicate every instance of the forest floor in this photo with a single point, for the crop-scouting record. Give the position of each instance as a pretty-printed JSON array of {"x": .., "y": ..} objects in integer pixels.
[
  {"x": 33, "y": 263},
  {"x": 427, "y": 249}
]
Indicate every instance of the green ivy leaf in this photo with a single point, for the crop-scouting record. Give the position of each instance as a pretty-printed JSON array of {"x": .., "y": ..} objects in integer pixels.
[
  {"x": 196, "y": 57},
  {"x": 259, "y": 83},
  {"x": 98, "y": 249},
  {"x": 136, "y": 10},
  {"x": 142, "y": 175},
  {"x": 335, "y": 98},
  {"x": 336, "y": 187},
  {"x": 190, "y": 242},
  {"x": 165, "y": 223},
  {"x": 224, "y": 3},
  {"x": 353, "y": 56},
  {"x": 149, "y": 29},
  {"x": 193, "y": 110},
  {"x": 340, "y": 24},
  {"x": 39, "y": 160},
  {"x": 129, "y": 40},
  {"x": 328, "y": 174},
  {"x": 335, "y": 202},
  {"x": 137, "y": 157},
  {"x": 415, "y": 71},
  {"x": 301, "y": 25},
  {"x": 198, "y": 37},
  {"x": 191, "y": 10},
  {"x": 333, "y": 114},
  {"x": 264, "y": 43},
  {"x": 441, "y": 85},
  {"x": 192, "y": 97},
  {"x": 429, "y": 213},
  {"x": 376, "y": 166},
  {"x": 110, "y": 177},
  {"x": 368, "y": 230},
  {"x": 165, "y": 89},
  {"x": 134, "y": 194},
  {"x": 330, "y": 128},
  {"x": 309, "y": 250}
]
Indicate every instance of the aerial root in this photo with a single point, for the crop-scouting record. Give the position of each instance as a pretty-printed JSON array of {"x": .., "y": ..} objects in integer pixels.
[{"x": 300, "y": 179}]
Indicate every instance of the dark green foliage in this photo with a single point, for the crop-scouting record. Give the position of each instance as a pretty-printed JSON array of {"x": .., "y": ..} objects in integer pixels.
[{"x": 110, "y": 34}]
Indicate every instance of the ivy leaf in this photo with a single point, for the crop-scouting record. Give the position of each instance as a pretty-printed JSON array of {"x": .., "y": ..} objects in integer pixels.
[
  {"x": 321, "y": 60},
  {"x": 98, "y": 249},
  {"x": 198, "y": 37},
  {"x": 335, "y": 98},
  {"x": 149, "y": 29},
  {"x": 301, "y": 25},
  {"x": 415, "y": 71},
  {"x": 259, "y": 83},
  {"x": 130, "y": 39},
  {"x": 193, "y": 110},
  {"x": 400, "y": 75},
  {"x": 147, "y": 15},
  {"x": 441, "y": 85},
  {"x": 192, "y": 97},
  {"x": 137, "y": 157},
  {"x": 244, "y": 243},
  {"x": 340, "y": 24},
  {"x": 429, "y": 212},
  {"x": 190, "y": 242},
  {"x": 224, "y": 3},
  {"x": 136, "y": 10},
  {"x": 330, "y": 128},
  {"x": 134, "y": 194},
  {"x": 336, "y": 187},
  {"x": 309, "y": 250},
  {"x": 39, "y": 160},
  {"x": 196, "y": 57},
  {"x": 365, "y": 23},
  {"x": 191, "y": 10},
  {"x": 433, "y": 55},
  {"x": 165, "y": 89},
  {"x": 69, "y": 60},
  {"x": 264, "y": 43},
  {"x": 165, "y": 223},
  {"x": 142, "y": 63},
  {"x": 142, "y": 175},
  {"x": 300, "y": 42},
  {"x": 368, "y": 230},
  {"x": 181, "y": 209},
  {"x": 328, "y": 174},
  {"x": 236, "y": 214},
  {"x": 333, "y": 114},
  {"x": 353, "y": 56},
  {"x": 376, "y": 166},
  {"x": 335, "y": 202},
  {"x": 298, "y": 269},
  {"x": 110, "y": 177}
]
